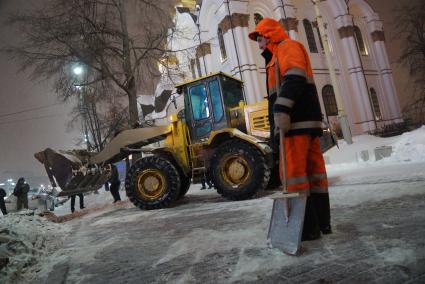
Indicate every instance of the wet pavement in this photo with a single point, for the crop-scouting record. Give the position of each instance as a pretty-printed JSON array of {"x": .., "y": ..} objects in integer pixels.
[{"x": 206, "y": 239}]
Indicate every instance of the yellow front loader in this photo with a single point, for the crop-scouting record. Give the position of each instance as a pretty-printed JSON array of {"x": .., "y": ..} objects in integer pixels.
[{"x": 216, "y": 136}]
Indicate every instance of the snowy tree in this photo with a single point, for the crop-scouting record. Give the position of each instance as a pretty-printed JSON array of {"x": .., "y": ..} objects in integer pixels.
[
  {"x": 119, "y": 42},
  {"x": 411, "y": 26}
]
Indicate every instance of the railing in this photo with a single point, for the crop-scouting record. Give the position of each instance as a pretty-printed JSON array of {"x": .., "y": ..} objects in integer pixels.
[{"x": 395, "y": 129}]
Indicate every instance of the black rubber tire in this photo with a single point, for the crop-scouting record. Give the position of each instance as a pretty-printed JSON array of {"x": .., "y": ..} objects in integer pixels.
[
  {"x": 256, "y": 161},
  {"x": 185, "y": 182},
  {"x": 172, "y": 182}
]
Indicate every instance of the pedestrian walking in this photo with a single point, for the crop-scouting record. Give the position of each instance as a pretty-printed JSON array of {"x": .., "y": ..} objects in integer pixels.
[
  {"x": 295, "y": 109},
  {"x": 2, "y": 204},
  {"x": 21, "y": 192},
  {"x": 115, "y": 183}
]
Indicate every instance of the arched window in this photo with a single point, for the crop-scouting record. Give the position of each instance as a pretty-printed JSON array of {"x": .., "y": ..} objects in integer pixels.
[
  {"x": 257, "y": 18},
  {"x": 360, "y": 42},
  {"x": 310, "y": 36},
  {"x": 221, "y": 43},
  {"x": 375, "y": 104},
  {"x": 320, "y": 37},
  {"x": 329, "y": 100}
]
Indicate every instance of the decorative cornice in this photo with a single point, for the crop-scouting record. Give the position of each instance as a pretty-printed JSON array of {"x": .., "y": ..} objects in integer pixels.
[
  {"x": 203, "y": 49},
  {"x": 289, "y": 24},
  {"x": 237, "y": 20},
  {"x": 347, "y": 31},
  {"x": 378, "y": 36}
]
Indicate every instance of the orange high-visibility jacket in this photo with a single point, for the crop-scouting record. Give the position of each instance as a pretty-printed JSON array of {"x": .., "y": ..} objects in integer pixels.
[{"x": 297, "y": 94}]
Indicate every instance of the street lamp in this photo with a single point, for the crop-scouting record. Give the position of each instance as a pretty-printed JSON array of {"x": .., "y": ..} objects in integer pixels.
[{"x": 78, "y": 70}]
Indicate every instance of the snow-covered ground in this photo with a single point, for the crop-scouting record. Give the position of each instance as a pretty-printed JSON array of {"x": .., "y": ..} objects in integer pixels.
[{"x": 352, "y": 182}]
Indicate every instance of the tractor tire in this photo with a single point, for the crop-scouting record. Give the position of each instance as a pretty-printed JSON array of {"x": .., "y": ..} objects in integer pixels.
[
  {"x": 239, "y": 170},
  {"x": 152, "y": 182},
  {"x": 185, "y": 181},
  {"x": 185, "y": 185}
]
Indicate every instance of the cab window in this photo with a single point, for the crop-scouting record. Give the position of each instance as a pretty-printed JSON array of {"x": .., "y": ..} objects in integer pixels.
[
  {"x": 199, "y": 100},
  {"x": 232, "y": 92},
  {"x": 214, "y": 89}
]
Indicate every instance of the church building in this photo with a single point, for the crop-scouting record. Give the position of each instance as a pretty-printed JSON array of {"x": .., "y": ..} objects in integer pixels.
[{"x": 214, "y": 37}]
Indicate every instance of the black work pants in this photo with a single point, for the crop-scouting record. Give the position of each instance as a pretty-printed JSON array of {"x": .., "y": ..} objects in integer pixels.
[
  {"x": 317, "y": 215},
  {"x": 22, "y": 202},
  {"x": 81, "y": 196},
  {"x": 3, "y": 206},
  {"x": 115, "y": 191}
]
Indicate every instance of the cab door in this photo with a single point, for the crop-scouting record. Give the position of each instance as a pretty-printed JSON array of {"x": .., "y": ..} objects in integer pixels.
[
  {"x": 200, "y": 112},
  {"x": 206, "y": 109}
]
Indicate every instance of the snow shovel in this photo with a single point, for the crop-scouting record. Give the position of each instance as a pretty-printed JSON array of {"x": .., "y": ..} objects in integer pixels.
[{"x": 288, "y": 211}]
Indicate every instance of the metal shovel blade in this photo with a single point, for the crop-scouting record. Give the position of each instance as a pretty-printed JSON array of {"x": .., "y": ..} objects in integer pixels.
[{"x": 286, "y": 224}]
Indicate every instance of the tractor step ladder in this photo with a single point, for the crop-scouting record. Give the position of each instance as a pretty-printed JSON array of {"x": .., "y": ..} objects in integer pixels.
[{"x": 197, "y": 164}]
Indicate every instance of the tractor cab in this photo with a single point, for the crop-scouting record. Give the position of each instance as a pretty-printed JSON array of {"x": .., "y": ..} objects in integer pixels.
[{"x": 208, "y": 101}]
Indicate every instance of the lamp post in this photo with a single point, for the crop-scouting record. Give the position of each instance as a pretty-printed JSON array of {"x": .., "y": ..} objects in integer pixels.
[
  {"x": 342, "y": 116},
  {"x": 79, "y": 71}
]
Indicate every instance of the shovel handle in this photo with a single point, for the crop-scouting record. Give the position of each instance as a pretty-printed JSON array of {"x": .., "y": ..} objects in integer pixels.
[{"x": 282, "y": 161}]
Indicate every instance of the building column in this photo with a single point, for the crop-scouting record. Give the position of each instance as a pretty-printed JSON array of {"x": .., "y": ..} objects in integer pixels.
[
  {"x": 284, "y": 10},
  {"x": 358, "y": 82},
  {"x": 390, "y": 94},
  {"x": 203, "y": 53},
  {"x": 237, "y": 24}
]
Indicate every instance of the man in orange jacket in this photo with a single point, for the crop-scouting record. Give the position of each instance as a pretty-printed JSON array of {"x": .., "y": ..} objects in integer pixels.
[{"x": 294, "y": 109}]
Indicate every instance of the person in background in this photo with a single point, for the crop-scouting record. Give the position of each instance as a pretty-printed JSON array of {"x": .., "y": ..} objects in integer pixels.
[
  {"x": 115, "y": 183},
  {"x": 81, "y": 196},
  {"x": 21, "y": 192},
  {"x": 206, "y": 180},
  {"x": 2, "y": 205}
]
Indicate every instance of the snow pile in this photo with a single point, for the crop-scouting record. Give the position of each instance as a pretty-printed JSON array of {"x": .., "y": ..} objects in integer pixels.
[
  {"x": 24, "y": 239},
  {"x": 410, "y": 147}
]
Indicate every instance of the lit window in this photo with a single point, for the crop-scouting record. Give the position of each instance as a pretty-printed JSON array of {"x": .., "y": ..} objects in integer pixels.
[
  {"x": 310, "y": 36},
  {"x": 221, "y": 43},
  {"x": 329, "y": 100},
  {"x": 360, "y": 42}
]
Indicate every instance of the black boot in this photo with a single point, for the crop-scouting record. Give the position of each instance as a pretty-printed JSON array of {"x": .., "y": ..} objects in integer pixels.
[
  {"x": 311, "y": 230},
  {"x": 321, "y": 202}
]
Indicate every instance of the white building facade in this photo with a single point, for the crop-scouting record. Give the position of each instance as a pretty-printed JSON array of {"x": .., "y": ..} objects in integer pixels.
[{"x": 356, "y": 35}]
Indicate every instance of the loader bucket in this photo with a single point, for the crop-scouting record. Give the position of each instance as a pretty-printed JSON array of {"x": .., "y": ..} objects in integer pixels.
[
  {"x": 132, "y": 138},
  {"x": 89, "y": 182},
  {"x": 79, "y": 171},
  {"x": 60, "y": 167}
]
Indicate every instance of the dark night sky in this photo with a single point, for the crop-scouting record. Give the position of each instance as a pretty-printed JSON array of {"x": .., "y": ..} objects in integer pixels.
[{"x": 23, "y": 134}]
